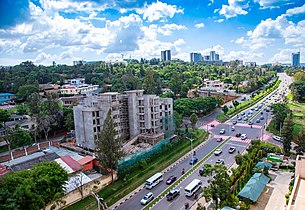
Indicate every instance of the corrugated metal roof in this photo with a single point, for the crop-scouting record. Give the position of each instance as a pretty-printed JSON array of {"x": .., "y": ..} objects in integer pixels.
[
  {"x": 85, "y": 160},
  {"x": 76, "y": 166}
]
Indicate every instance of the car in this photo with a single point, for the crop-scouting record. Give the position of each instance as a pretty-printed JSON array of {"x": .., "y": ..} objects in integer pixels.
[
  {"x": 222, "y": 131},
  {"x": 220, "y": 161},
  {"x": 277, "y": 138},
  {"x": 258, "y": 120},
  {"x": 243, "y": 113},
  {"x": 218, "y": 152},
  {"x": 232, "y": 128},
  {"x": 171, "y": 179},
  {"x": 250, "y": 123},
  {"x": 219, "y": 139},
  {"x": 193, "y": 160},
  {"x": 147, "y": 198},
  {"x": 249, "y": 114},
  {"x": 238, "y": 135},
  {"x": 268, "y": 110},
  {"x": 172, "y": 194},
  {"x": 201, "y": 171},
  {"x": 234, "y": 122},
  {"x": 252, "y": 108},
  {"x": 256, "y": 109},
  {"x": 245, "y": 118},
  {"x": 239, "y": 118},
  {"x": 232, "y": 150},
  {"x": 262, "y": 113},
  {"x": 261, "y": 118},
  {"x": 243, "y": 136},
  {"x": 212, "y": 125}
]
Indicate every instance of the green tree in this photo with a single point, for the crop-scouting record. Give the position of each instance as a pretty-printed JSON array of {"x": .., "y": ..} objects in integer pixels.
[
  {"x": 25, "y": 91},
  {"x": 280, "y": 112},
  {"x": 239, "y": 158},
  {"x": 287, "y": 133},
  {"x": 32, "y": 189},
  {"x": 108, "y": 145},
  {"x": 4, "y": 117},
  {"x": 235, "y": 104},
  {"x": 68, "y": 118},
  {"x": 22, "y": 109},
  {"x": 194, "y": 120},
  {"x": 299, "y": 76},
  {"x": 21, "y": 137},
  {"x": 219, "y": 184},
  {"x": 225, "y": 109},
  {"x": 178, "y": 119},
  {"x": 301, "y": 139}
]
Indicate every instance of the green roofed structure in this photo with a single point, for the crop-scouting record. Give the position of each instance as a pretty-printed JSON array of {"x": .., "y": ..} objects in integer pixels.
[
  {"x": 262, "y": 165},
  {"x": 254, "y": 187}
]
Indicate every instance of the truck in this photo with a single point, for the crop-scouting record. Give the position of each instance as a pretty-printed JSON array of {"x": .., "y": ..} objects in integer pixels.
[{"x": 172, "y": 194}]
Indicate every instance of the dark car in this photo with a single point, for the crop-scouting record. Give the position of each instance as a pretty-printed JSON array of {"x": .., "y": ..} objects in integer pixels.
[
  {"x": 238, "y": 135},
  {"x": 201, "y": 171},
  {"x": 250, "y": 123},
  {"x": 171, "y": 179},
  {"x": 220, "y": 161},
  {"x": 172, "y": 194},
  {"x": 234, "y": 122},
  {"x": 193, "y": 160}
]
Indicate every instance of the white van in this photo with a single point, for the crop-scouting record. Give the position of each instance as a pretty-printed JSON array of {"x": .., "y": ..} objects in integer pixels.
[
  {"x": 243, "y": 136},
  {"x": 190, "y": 189},
  {"x": 154, "y": 180}
]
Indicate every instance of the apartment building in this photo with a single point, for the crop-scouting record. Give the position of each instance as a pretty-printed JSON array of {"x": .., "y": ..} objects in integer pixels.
[{"x": 135, "y": 114}]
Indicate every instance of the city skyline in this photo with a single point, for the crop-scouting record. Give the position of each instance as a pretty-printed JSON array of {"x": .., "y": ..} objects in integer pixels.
[{"x": 66, "y": 30}]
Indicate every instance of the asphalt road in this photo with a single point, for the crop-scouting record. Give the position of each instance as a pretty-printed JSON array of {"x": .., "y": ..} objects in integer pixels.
[{"x": 252, "y": 133}]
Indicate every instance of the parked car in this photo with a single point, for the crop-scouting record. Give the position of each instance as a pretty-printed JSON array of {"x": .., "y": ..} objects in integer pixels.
[
  {"x": 172, "y": 194},
  {"x": 222, "y": 131},
  {"x": 243, "y": 136},
  {"x": 239, "y": 118},
  {"x": 219, "y": 139},
  {"x": 261, "y": 118},
  {"x": 245, "y": 118},
  {"x": 234, "y": 122},
  {"x": 243, "y": 113},
  {"x": 232, "y": 150},
  {"x": 220, "y": 161},
  {"x": 238, "y": 135},
  {"x": 193, "y": 160},
  {"x": 171, "y": 179},
  {"x": 147, "y": 198},
  {"x": 218, "y": 152},
  {"x": 250, "y": 123},
  {"x": 232, "y": 128},
  {"x": 258, "y": 120},
  {"x": 249, "y": 114}
]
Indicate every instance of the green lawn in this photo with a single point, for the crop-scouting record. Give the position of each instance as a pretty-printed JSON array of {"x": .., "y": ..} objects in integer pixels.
[
  {"x": 121, "y": 188},
  {"x": 222, "y": 118},
  {"x": 298, "y": 113}
]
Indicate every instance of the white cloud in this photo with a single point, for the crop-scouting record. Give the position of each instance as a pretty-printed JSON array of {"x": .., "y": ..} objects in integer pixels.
[
  {"x": 159, "y": 11},
  {"x": 42, "y": 58},
  {"x": 168, "y": 29},
  {"x": 272, "y": 3},
  {"x": 235, "y": 7},
  {"x": 199, "y": 25},
  {"x": 242, "y": 55},
  {"x": 296, "y": 11},
  {"x": 219, "y": 20},
  {"x": 218, "y": 49}
]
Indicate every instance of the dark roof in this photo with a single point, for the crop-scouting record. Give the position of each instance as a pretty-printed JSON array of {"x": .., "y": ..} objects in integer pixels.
[
  {"x": 30, "y": 163},
  {"x": 76, "y": 166}
]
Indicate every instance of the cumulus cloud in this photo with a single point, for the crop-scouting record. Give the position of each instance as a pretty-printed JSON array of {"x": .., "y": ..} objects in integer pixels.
[
  {"x": 199, "y": 25},
  {"x": 235, "y": 7},
  {"x": 296, "y": 11},
  {"x": 159, "y": 11},
  {"x": 242, "y": 55},
  {"x": 271, "y": 3},
  {"x": 219, "y": 20},
  {"x": 168, "y": 29}
]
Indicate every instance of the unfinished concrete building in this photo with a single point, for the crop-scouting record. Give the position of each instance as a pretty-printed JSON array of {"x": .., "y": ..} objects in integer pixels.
[{"x": 136, "y": 116}]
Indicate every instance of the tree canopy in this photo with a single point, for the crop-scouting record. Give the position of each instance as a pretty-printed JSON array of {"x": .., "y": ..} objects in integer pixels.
[{"x": 32, "y": 189}]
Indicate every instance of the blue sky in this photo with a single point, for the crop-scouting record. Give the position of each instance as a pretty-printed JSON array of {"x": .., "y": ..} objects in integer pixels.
[{"x": 265, "y": 31}]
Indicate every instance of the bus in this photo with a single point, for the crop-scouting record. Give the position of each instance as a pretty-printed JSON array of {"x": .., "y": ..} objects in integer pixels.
[
  {"x": 154, "y": 180},
  {"x": 192, "y": 187}
]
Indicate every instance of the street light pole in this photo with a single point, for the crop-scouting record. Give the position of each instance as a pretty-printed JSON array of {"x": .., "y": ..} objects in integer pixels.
[{"x": 191, "y": 148}]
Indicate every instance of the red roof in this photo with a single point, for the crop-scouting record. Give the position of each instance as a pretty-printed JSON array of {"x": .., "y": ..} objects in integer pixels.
[
  {"x": 76, "y": 166},
  {"x": 3, "y": 170},
  {"x": 85, "y": 160}
]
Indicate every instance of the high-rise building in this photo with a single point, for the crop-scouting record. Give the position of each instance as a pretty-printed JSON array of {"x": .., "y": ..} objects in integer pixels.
[
  {"x": 296, "y": 59},
  {"x": 166, "y": 55},
  {"x": 206, "y": 58},
  {"x": 216, "y": 57},
  {"x": 212, "y": 56},
  {"x": 195, "y": 57},
  {"x": 134, "y": 114}
]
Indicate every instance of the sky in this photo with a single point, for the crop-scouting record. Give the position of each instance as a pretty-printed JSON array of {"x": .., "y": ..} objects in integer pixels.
[{"x": 43, "y": 31}]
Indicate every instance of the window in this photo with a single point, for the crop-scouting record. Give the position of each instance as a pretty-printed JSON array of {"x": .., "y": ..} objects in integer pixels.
[
  {"x": 97, "y": 114},
  {"x": 93, "y": 122},
  {"x": 98, "y": 121},
  {"x": 98, "y": 128},
  {"x": 94, "y": 129},
  {"x": 93, "y": 114}
]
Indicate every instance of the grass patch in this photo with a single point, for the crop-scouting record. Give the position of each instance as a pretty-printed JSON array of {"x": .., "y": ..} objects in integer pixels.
[
  {"x": 222, "y": 118},
  {"x": 289, "y": 96},
  {"x": 271, "y": 128},
  {"x": 298, "y": 110},
  {"x": 120, "y": 188}
]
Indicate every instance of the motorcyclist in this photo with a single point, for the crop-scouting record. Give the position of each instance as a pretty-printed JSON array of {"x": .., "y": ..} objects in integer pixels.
[{"x": 182, "y": 172}]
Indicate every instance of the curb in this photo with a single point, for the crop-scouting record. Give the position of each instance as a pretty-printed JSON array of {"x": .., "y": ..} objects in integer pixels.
[{"x": 130, "y": 195}]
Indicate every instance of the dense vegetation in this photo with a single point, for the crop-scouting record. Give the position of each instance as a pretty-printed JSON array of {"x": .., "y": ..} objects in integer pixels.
[
  {"x": 33, "y": 189},
  {"x": 298, "y": 86},
  {"x": 178, "y": 76}
]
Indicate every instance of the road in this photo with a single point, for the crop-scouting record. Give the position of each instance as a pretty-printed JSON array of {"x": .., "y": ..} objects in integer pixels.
[{"x": 241, "y": 127}]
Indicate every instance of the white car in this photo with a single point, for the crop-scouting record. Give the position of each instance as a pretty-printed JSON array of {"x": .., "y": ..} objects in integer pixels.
[
  {"x": 243, "y": 136},
  {"x": 277, "y": 138},
  {"x": 147, "y": 198},
  {"x": 218, "y": 152}
]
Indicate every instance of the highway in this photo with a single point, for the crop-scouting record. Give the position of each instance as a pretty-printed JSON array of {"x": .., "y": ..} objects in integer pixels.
[{"x": 241, "y": 127}]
